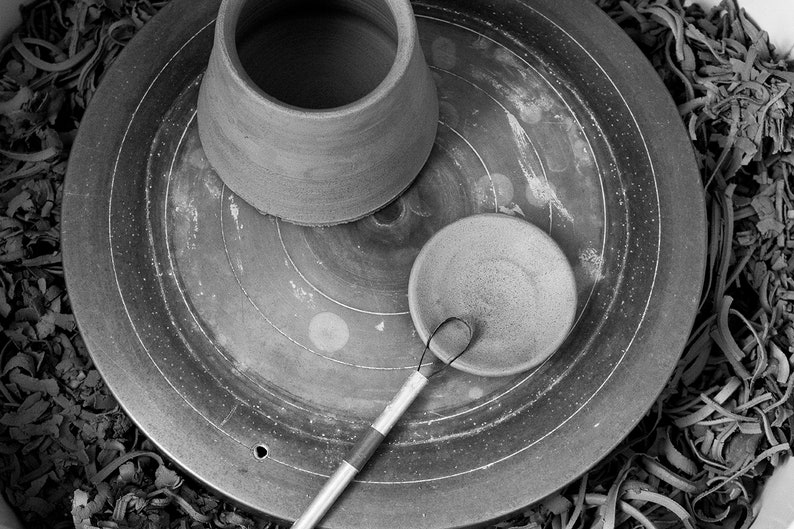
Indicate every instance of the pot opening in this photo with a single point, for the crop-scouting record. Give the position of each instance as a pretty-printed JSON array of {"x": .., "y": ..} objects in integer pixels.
[{"x": 317, "y": 54}]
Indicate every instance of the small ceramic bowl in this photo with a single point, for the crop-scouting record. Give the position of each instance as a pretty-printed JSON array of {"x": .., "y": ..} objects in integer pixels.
[
  {"x": 317, "y": 112},
  {"x": 505, "y": 277}
]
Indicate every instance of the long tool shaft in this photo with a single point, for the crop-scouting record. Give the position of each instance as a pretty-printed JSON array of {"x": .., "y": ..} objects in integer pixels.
[{"x": 361, "y": 452}]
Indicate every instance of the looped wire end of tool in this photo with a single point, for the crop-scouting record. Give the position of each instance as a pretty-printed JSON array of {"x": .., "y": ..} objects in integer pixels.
[
  {"x": 463, "y": 327},
  {"x": 380, "y": 428}
]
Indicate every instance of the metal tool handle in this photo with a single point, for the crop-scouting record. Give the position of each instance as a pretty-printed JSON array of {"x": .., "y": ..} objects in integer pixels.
[{"x": 361, "y": 452}]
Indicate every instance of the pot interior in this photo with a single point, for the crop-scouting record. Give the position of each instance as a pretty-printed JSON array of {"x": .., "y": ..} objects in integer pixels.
[{"x": 316, "y": 54}]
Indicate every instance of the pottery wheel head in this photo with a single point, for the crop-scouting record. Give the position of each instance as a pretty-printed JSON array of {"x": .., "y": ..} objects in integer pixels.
[
  {"x": 504, "y": 276},
  {"x": 273, "y": 345}
]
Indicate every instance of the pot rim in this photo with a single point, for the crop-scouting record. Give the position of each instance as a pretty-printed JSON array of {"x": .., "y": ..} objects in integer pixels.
[{"x": 407, "y": 41}]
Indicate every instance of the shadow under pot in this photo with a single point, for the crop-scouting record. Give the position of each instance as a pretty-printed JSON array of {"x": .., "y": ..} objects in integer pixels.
[{"x": 317, "y": 111}]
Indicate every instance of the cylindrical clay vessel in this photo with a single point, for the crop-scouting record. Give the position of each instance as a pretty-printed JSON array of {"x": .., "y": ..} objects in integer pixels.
[{"x": 317, "y": 111}]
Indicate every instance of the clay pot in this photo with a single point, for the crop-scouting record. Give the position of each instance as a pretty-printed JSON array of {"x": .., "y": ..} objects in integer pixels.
[{"x": 317, "y": 111}]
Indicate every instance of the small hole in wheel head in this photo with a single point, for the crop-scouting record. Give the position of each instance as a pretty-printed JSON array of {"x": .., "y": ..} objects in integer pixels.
[{"x": 261, "y": 451}]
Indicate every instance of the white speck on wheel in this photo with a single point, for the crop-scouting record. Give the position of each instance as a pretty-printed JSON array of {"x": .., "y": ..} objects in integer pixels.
[{"x": 328, "y": 332}]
